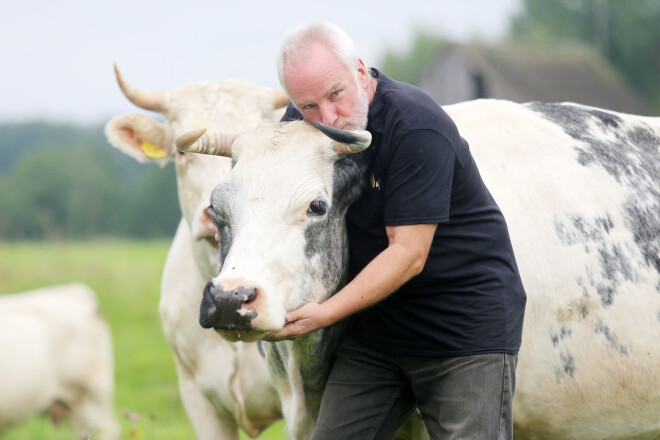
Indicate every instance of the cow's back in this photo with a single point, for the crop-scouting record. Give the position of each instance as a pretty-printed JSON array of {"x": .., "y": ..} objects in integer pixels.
[
  {"x": 56, "y": 347},
  {"x": 579, "y": 188}
]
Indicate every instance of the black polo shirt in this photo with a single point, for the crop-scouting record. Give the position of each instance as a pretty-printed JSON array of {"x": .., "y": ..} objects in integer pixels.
[{"x": 469, "y": 298}]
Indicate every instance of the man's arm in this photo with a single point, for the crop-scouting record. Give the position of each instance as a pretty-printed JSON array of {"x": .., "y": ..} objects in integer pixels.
[{"x": 403, "y": 259}]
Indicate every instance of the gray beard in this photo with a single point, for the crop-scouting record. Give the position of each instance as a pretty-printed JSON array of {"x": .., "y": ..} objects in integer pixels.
[{"x": 361, "y": 112}]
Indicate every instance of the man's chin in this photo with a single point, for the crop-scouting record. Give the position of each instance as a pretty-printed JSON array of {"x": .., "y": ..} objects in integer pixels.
[{"x": 242, "y": 335}]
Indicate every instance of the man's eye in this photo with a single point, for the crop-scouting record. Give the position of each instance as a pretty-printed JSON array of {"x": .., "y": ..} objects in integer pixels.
[{"x": 336, "y": 93}]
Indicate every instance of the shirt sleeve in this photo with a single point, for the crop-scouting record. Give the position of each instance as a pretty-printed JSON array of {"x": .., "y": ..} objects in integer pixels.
[{"x": 418, "y": 181}]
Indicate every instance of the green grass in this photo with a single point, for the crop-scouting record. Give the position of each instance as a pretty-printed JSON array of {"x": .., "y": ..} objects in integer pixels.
[{"x": 126, "y": 277}]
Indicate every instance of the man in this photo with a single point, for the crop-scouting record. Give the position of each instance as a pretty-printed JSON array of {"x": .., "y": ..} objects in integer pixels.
[{"x": 436, "y": 297}]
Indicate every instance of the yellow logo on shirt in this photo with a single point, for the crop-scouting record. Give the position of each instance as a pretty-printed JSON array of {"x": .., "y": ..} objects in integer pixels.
[{"x": 374, "y": 183}]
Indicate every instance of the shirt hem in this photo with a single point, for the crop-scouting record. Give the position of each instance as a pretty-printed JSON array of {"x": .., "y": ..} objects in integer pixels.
[
  {"x": 416, "y": 221},
  {"x": 440, "y": 353}
]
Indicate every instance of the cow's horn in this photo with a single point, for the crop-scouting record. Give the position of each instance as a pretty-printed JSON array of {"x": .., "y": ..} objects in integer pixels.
[
  {"x": 346, "y": 142},
  {"x": 148, "y": 100},
  {"x": 280, "y": 98},
  {"x": 198, "y": 141}
]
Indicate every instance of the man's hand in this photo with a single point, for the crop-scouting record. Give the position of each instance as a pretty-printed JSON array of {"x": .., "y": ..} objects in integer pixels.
[{"x": 300, "y": 322}]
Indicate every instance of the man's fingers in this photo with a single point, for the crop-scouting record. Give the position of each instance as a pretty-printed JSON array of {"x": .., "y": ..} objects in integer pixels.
[
  {"x": 299, "y": 313},
  {"x": 286, "y": 333},
  {"x": 293, "y": 316}
]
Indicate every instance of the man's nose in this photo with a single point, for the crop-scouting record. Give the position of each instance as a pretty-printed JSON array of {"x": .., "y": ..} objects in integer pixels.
[{"x": 328, "y": 114}]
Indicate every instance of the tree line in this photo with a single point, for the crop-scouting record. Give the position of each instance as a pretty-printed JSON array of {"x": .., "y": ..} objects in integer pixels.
[{"x": 67, "y": 182}]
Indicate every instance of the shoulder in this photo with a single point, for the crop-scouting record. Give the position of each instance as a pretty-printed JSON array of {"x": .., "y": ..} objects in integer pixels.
[{"x": 409, "y": 108}]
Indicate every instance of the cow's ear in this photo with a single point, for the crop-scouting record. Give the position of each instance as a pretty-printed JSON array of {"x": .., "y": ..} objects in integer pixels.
[{"x": 141, "y": 137}]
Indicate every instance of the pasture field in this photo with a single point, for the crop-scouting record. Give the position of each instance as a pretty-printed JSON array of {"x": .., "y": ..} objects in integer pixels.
[{"x": 126, "y": 277}]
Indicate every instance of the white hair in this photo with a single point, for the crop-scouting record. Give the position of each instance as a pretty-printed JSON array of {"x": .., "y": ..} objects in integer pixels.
[{"x": 296, "y": 43}]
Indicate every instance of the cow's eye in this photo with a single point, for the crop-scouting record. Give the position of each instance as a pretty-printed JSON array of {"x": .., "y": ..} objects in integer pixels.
[{"x": 317, "y": 207}]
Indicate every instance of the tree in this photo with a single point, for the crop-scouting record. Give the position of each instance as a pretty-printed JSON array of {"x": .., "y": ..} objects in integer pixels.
[
  {"x": 627, "y": 33},
  {"x": 59, "y": 193},
  {"x": 62, "y": 181},
  {"x": 408, "y": 66},
  {"x": 79, "y": 192}
]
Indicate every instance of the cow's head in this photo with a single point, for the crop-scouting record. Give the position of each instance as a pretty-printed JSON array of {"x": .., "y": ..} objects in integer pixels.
[
  {"x": 280, "y": 216},
  {"x": 230, "y": 106}
]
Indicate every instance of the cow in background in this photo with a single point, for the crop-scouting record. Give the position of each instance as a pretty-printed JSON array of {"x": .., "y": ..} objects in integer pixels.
[
  {"x": 57, "y": 351},
  {"x": 223, "y": 386},
  {"x": 580, "y": 189}
]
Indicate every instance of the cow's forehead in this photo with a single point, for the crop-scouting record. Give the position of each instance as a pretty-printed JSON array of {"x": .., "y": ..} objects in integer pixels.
[
  {"x": 231, "y": 106},
  {"x": 283, "y": 151},
  {"x": 296, "y": 138},
  {"x": 288, "y": 164}
]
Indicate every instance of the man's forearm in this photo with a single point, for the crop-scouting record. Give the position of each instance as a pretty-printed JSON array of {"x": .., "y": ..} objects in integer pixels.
[{"x": 380, "y": 278}]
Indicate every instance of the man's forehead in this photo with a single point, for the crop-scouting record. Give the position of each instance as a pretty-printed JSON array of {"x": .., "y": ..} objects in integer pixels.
[{"x": 310, "y": 83}]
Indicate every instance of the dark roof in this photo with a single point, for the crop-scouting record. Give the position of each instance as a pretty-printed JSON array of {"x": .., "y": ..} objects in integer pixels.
[{"x": 552, "y": 74}]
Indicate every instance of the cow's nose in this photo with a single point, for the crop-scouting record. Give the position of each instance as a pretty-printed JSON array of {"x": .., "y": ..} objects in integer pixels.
[{"x": 224, "y": 309}]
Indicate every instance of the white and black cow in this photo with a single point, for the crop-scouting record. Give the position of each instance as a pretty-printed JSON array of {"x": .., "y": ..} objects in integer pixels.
[
  {"x": 580, "y": 189},
  {"x": 281, "y": 249},
  {"x": 223, "y": 386}
]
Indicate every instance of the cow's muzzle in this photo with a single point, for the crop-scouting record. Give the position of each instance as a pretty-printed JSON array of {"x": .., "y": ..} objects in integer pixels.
[{"x": 227, "y": 309}]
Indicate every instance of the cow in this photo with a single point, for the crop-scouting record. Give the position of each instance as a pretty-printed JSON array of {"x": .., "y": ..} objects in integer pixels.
[
  {"x": 223, "y": 386},
  {"x": 57, "y": 352},
  {"x": 580, "y": 189}
]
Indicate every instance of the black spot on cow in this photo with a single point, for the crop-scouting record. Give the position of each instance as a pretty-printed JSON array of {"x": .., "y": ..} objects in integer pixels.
[
  {"x": 583, "y": 231},
  {"x": 220, "y": 213},
  {"x": 325, "y": 238},
  {"x": 275, "y": 358},
  {"x": 616, "y": 269},
  {"x": 563, "y": 333},
  {"x": 611, "y": 340},
  {"x": 614, "y": 263},
  {"x": 568, "y": 363},
  {"x": 628, "y": 151},
  {"x": 584, "y": 310}
]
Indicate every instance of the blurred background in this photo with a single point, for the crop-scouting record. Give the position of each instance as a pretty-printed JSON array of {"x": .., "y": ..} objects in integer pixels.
[
  {"x": 72, "y": 208},
  {"x": 59, "y": 179}
]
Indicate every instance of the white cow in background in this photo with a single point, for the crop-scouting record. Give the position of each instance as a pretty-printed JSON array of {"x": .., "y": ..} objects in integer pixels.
[
  {"x": 580, "y": 190},
  {"x": 223, "y": 386},
  {"x": 57, "y": 350}
]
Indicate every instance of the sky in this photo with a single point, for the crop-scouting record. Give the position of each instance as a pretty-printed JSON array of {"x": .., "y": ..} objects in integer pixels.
[{"x": 57, "y": 57}]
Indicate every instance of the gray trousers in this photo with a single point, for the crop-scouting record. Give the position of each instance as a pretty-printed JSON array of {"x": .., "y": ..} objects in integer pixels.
[{"x": 370, "y": 395}]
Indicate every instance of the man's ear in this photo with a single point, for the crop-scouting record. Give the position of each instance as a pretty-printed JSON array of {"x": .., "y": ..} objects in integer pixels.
[
  {"x": 141, "y": 137},
  {"x": 363, "y": 72}
]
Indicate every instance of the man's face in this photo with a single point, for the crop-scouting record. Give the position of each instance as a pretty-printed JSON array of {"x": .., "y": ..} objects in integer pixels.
[{"x": 324, "y": 89}]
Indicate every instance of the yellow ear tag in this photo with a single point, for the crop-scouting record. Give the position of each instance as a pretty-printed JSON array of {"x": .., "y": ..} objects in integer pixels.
[
  {"x": 151, "y": 150},
  {"x": 372, "y": 180}
]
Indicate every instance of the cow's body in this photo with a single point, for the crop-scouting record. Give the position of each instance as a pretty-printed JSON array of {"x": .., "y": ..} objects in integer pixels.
[
  {"x": 57, "y": 350},
  {"x": 579, "y": 188},
  {"x": 223, "y": 386}
]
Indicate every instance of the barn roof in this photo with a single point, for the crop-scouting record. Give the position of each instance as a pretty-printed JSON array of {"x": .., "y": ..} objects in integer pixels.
[{"x": 524, "y": 73}]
